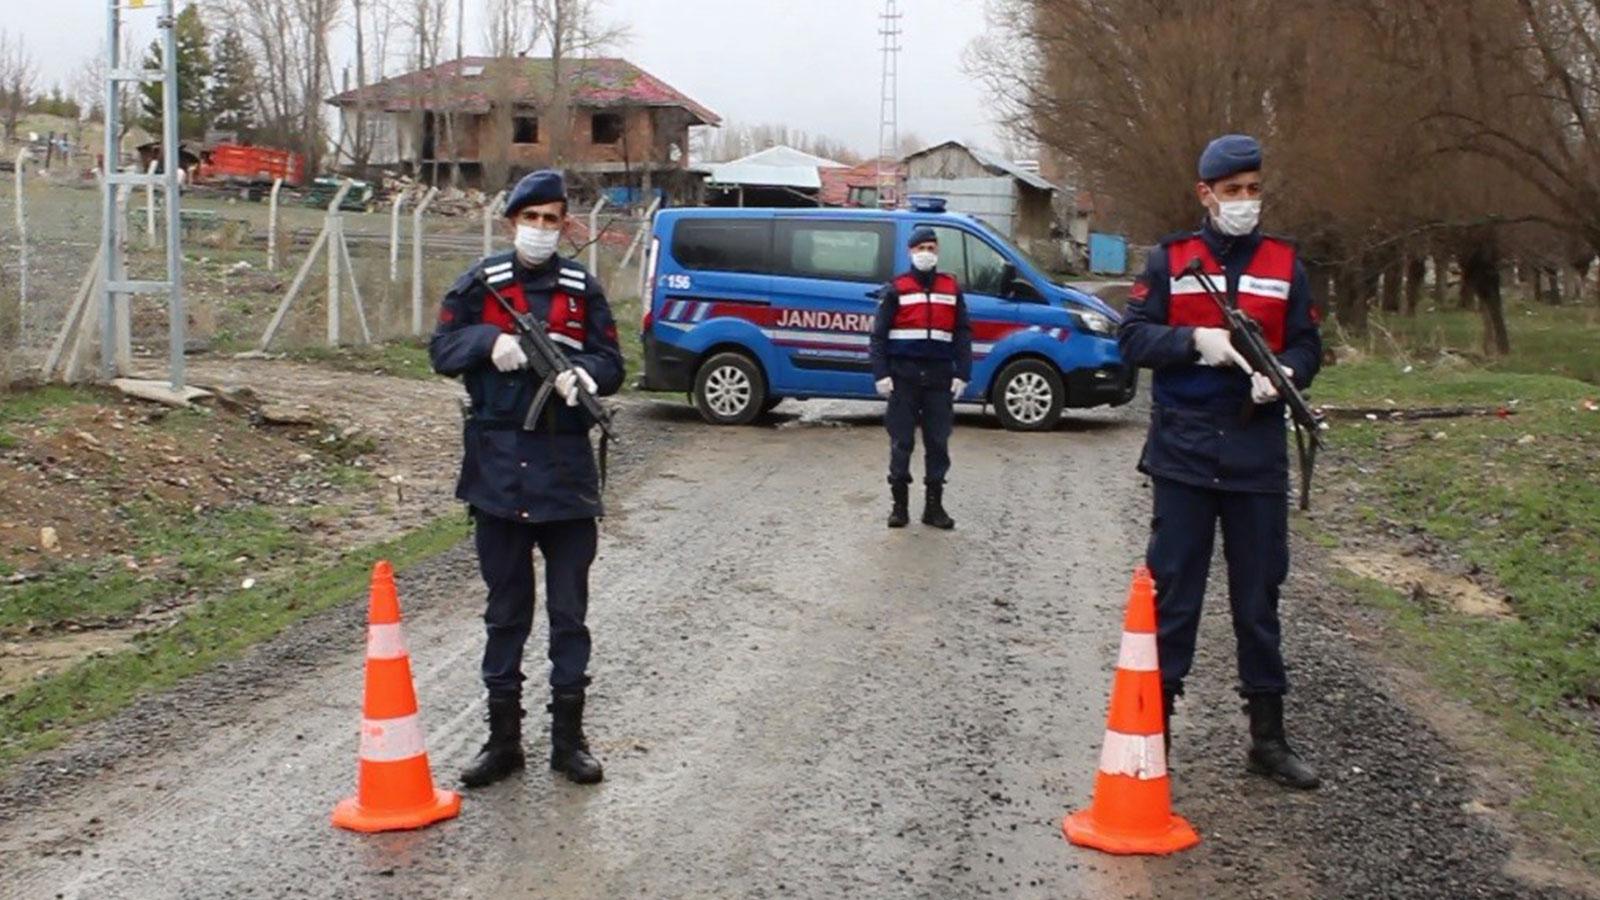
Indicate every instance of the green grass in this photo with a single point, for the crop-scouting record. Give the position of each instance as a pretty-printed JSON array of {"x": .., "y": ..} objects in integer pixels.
[
  {"x": 1518, "y": 497},
  {"x": 42, "y": 714},
  {"x": 402, "y": 359},
  {"x": 208, "y": 550},
  {"x": 1545, "y": 339}
]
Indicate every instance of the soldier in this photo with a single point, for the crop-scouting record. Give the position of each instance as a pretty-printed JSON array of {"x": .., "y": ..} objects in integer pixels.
[
  {"x": 528, "y": 489},
  {"x": 921, "y": 352},
  {"x": 1207, "y": 462}
]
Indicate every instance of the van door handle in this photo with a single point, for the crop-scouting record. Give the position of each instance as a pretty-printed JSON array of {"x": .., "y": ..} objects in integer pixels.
[{"x": 872, "y": 295}]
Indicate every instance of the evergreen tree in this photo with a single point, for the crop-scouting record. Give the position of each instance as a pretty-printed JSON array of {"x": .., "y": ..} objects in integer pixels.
[
  {"x": 194, "y": 69},
  {"x": 231, "y": 103}
]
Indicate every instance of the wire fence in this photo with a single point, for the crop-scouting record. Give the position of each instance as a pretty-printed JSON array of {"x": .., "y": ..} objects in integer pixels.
[{"x": 241, "y": 263}]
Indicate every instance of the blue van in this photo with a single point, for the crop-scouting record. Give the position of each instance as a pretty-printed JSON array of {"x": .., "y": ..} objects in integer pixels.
[{"x": 746, "y": 307}]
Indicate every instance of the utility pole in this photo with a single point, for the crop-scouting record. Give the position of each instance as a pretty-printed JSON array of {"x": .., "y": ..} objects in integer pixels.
[{"x": 889, "y": 104}]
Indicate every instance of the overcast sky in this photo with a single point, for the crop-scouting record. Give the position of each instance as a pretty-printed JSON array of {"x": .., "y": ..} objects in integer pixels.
[{"x": 811, "y": 64}]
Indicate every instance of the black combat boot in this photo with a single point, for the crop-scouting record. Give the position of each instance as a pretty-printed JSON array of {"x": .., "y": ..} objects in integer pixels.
[
  {"x": 933, "y": 509},
  {"x": 502, "y": 753},
  {"x": 569, "y": 751},
  {"x": 1270, "y": 753},
  {"x": 899, "y": 515},
  {"x": 1168, "y": 698}
]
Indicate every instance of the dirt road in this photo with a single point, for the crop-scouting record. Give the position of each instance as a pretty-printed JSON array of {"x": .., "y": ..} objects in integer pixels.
[{"x": 790, "y": 699}]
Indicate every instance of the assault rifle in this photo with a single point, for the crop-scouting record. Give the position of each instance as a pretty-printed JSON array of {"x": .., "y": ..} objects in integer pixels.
[
  {"x": 547, "y": 361},
  {"x": 1247, "y": 339}
]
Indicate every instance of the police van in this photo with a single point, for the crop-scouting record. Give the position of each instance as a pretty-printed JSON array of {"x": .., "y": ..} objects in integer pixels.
[{"x": 747, "y": 307}]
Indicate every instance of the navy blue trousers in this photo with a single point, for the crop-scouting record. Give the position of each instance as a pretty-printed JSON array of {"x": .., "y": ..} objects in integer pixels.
[
  {"x": 920, "y": 397},
  {"x": 1255, "y": 543},
  {"x": 505, "y": 557}
]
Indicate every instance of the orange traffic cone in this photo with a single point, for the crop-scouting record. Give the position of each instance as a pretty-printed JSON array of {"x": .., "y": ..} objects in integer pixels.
[
  {"x": 395, "y": 787},
  {"x": 1132, "y": 807}
]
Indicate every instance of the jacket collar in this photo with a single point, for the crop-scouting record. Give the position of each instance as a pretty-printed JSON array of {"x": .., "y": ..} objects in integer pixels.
[{"x": 1224, "y": 246}]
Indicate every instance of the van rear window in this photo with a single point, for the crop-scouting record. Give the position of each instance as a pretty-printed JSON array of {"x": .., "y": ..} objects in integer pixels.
[{"x": 723, "y": 245}]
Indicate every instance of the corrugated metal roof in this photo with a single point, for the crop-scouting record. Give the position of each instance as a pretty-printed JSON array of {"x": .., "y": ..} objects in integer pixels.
[
  {"x": 733, "y": 173},
  {"x": 788, "y": 156},
  {"x": 465, "y": 84}
]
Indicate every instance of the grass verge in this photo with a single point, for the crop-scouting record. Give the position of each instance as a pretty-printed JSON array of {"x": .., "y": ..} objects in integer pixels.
[
  {"x": 1518, "y": 499},
  {"x": 41, "y": 715}
]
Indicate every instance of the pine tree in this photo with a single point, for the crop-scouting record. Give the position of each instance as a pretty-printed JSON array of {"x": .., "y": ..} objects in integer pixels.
[
  {"x": 231, "y": 102},
  {"x": 194, "y": 68}
]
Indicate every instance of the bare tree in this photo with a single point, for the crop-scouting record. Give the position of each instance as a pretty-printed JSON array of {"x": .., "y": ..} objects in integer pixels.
[
  {"x": 574, "y": 30},
  {"x": 17, "y": 72},
  {"x": 289, "y": 39}
]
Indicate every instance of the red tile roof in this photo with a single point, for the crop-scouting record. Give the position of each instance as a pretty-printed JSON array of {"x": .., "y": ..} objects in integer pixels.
[
  {"x": 464, "y": 85},
  {"x": 836, "y": 183}
]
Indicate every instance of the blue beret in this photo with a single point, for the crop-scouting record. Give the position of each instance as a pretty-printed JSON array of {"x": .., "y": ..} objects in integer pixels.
[
  {"x": 543, "y": 186},
  {"x": 1230, "y": 155},
  {"x": 922, "y": 235}
]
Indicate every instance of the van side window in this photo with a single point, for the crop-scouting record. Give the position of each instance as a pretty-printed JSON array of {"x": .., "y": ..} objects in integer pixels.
[
  {"x": 984, "y": 268},
  {"x": 952, "y": 252},
  {"x": 848, "y": 251},
  {"x": 723, "y": 245}
]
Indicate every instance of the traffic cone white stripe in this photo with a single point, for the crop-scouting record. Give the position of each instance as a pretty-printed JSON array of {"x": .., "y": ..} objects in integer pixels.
[
  {"x": 391, "y": 740},
  {"x": 1141, "y": 756},
  {"x": 385, "y": 641},
  {"x": 1138, "y": 652}
]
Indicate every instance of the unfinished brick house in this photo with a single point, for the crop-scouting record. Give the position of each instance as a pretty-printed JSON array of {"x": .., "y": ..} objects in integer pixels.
[{"x": 618, "y": 128}]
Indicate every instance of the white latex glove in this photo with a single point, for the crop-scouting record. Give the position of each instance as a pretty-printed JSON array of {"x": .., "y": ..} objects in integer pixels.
[
  {"x": 957, "y": 388},
  {"x": 1261, "y": 389},
  {"x": 567, "y": 382},
  {"x": 885, "y": 386},
  {"x": 507, "y": 354},
  {"x": 1215, "y": 346}
]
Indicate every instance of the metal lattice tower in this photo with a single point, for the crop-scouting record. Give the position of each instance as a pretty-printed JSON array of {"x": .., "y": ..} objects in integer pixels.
[
  {"x": 889, "y": 102},
  {"x": 114, "y": 281}
]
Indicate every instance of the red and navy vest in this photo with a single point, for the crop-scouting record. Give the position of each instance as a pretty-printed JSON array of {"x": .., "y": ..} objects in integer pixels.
[
  {"x": 1263, "y": 287},
  {"x": 568, "y": 303},
  {"x": 924, "y": 320}
]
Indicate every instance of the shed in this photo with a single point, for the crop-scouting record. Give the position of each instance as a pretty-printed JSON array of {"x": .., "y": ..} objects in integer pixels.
[
  {"x": 776, "y": 176},
  {"x": 1009, "y": 197}
]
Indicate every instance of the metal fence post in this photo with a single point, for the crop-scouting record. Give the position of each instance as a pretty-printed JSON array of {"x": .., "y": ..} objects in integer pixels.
[
  {"x": 22, "y": 243},
  {"x": 489, "y": 210},
  {"x": 594, "y": 234},
  {"x": 272, "y": 226},
  {"x": 394, "y": 236},
  {"x": 416, "y": 260}
]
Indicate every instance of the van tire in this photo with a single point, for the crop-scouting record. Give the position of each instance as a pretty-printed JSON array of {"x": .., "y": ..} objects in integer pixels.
[
  {"x": 729, "y": 389},
  {"x": 1029, "y": 395},
  {"x": 771, "y": 404}
]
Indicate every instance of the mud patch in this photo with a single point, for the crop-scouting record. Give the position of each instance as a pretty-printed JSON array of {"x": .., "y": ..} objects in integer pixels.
[
  {"x": 26, "y": 660},
  {"x": 1423, "y": 583}
]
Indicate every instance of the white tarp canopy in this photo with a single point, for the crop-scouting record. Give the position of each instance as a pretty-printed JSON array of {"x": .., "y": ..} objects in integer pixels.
[{"x": 733, "y": 174}]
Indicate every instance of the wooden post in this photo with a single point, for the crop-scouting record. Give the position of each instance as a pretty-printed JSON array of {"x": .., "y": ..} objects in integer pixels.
[
  {"x": 594, "y": 234},
  {"x": 416, "y": 260},
  {"x": 489, "y": 211}
]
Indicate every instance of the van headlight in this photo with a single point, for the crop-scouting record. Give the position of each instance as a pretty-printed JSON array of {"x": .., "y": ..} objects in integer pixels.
[{"x": 1094, "y": 323}]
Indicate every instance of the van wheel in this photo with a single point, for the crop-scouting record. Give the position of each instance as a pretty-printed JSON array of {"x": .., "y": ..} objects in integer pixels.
[
  {"x": 729, "y": 389},
  {"x": 1028, "y": 396}
]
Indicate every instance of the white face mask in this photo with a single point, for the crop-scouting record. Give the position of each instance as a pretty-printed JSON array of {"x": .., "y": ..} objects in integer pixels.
[
  {"x": 1237, "y": 217},
  {"x": 535, "y": 245},
  {"x": 924, "y": 260}
]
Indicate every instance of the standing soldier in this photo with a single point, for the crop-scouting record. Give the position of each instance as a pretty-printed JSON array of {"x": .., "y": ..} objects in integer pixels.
[
  {"x": 528, "y": 489},
  {"x": 1207, "y": 460},
  {"x": 921, "y": 353}
]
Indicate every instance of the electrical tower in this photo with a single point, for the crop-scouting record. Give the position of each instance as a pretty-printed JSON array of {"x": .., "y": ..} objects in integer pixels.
[
  {"x": 889, "y": 105},
  {"x": 115, "y": 285}
]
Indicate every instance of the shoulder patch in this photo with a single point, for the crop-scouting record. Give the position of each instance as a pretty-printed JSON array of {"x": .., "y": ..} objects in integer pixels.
[{"x": 1140, "y": 290}]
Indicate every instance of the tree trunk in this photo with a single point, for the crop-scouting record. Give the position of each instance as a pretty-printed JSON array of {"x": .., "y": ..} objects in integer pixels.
[
  {"x": 1538, "y": 284},
  {"x": 1318, "y": 274},
  {"x": 1441, "y": 277},
  {"x": 1390, "y": 298},
  {"x": 1481, "y": 268},
  {"x": 1466, "y": 298},
  {"x": 1351, "y": 290},
  {"x": 1416, "y": 272}
]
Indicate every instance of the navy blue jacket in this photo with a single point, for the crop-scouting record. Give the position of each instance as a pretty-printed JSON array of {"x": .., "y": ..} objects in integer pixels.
[
  {"x": 1197, "y": 434},
  {"x": 544, "y": 475},
  {"x": 885, "y": 354}
]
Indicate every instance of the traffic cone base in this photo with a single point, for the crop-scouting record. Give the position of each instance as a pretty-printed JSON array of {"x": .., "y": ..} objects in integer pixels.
[
  {"x": 1132, "y": 807},
  {"x": 349, "y": 814},
  {"x": 394, "y": 786},
  {"x": 1082, "y": 829}
]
